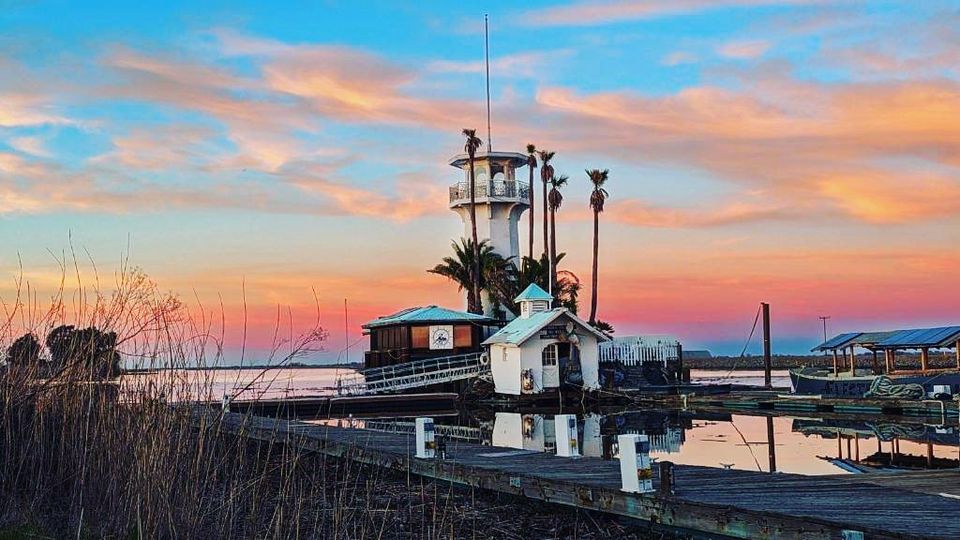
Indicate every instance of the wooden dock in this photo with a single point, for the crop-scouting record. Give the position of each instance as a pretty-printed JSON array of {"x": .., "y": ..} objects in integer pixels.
[
  {"x": 775, "y": 401},
  {"x": 707, "y": 501}
]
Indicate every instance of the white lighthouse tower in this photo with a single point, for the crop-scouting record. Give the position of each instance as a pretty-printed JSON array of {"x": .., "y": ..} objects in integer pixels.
[{"x": 500, "y": 199}]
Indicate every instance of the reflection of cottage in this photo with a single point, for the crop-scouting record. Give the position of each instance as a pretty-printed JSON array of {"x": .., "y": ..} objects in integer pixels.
[
  {"x": 424, "y": 332},
  {"x": 543, "y": 348}
]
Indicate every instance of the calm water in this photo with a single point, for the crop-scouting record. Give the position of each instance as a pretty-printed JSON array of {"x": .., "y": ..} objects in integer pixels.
[
  {"x": 778, "y": 377},
  {"x": 294, "y": 382},
  {"x": 242, "y": 383},
  {"x": 799, "y": 444}
]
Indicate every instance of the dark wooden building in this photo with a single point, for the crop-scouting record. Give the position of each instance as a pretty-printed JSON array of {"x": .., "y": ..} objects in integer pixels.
[{"x": 425, "y": 332}]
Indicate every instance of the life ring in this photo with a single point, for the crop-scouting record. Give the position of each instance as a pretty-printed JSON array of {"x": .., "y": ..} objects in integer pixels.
[{"x": 484, "y": 359}]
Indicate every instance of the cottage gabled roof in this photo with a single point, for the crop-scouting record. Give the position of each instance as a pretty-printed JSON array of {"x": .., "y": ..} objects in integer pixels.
[
  {"x": 533, "y": 292},
  {"x": 427, "y": 314},
  {"x": 520, "y": 330}
]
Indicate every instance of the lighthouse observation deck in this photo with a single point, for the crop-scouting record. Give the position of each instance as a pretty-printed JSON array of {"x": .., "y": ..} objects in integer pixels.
[{"x": 495, "y": 190}]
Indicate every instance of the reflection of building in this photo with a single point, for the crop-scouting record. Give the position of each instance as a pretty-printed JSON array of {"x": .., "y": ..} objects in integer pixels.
[
  {"x": 543, "y": 348},
  {"x": 524, "y": 431}
]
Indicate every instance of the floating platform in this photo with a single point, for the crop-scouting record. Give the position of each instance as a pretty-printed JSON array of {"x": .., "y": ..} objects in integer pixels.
[{"x": 706, "y": 501}]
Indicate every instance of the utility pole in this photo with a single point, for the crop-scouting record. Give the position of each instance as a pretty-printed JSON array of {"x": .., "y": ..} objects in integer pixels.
[{"x": 824, "y": 319}]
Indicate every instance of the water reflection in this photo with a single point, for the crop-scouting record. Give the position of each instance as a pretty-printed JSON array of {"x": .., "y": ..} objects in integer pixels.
[{"x": 764, "y": 443}]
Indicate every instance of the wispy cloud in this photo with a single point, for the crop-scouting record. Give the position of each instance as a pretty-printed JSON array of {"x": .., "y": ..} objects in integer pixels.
[
  {"x": 744, "y": 50},
  {"x": 592, "y": 13}
]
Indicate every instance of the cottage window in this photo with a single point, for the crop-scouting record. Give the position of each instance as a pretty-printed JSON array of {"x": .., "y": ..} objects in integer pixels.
[
  {"x": 462, "y": 335},
  {"x": 550, "y": 355},
  {"x": 420, "y": 337}
]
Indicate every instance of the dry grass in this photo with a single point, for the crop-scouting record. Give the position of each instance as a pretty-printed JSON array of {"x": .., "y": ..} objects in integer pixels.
[{"x": 82, "y": 459}]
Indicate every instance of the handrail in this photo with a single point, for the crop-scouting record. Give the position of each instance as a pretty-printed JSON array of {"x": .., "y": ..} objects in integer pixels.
[{"x": 411, "y": 374}]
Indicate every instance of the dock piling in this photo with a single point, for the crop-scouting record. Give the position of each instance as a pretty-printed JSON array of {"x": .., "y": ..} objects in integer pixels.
[
  {"x": 567, "y": 441},
  {"x": 667, "y": 487},
  {"x": 636, "y": 475},
  {"x": 766, "y": 345},
  {"x": 426, "y": 441}
]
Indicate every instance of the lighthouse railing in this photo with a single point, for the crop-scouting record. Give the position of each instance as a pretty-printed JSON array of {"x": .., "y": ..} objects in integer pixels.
[{"x": 500, "y": 189}]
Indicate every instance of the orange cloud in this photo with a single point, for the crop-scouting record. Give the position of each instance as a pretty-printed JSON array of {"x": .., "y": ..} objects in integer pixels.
[
  {"x": 639, "y": 213},
  {"x": 882, "y": 198},
  {"x": 799, "y": 145}
]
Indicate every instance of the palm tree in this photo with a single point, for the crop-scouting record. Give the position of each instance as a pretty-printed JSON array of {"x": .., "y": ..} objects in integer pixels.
[
  {"x": 531, "y": 165},
  {"x": 461, "y": 268},
  {"x": 598, "y": 197},
  {"x": 509, "y": 282},
  {"x": 472, "y": 144},
  {"x": 555, "y": 200},
  {"x": 546, "y": 173}
]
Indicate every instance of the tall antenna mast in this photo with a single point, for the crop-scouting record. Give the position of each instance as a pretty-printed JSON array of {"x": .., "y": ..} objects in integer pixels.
[{"x": 486, "y": 53}]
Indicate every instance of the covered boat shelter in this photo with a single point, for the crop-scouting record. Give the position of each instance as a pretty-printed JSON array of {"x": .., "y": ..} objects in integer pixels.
[{"x": 922, "y": 339}]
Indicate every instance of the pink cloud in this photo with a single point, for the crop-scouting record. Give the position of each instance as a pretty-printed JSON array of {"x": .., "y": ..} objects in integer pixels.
[
  {"x": 744, "y": 50},
  {"x": 590, "y": 13}
]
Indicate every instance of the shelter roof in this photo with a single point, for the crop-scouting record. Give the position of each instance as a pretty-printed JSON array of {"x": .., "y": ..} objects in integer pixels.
[
  {"x": 427, "y": 314},
  {"x": 836, "y": 342},
  {"x": 944, "y": 336}
]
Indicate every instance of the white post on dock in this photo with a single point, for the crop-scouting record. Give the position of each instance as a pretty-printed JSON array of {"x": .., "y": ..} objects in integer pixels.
[
  {"x": 426, "y": 443},
  {"x": 567, "y": 440},
  {"x": 635, "y": 472},
  {"x": 225, "y": 403}
]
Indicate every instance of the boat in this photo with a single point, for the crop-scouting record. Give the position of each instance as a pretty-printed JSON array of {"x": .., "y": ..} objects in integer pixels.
[
  {"x": 822, "y": 381},
  {"x": 845, "y": 380}
]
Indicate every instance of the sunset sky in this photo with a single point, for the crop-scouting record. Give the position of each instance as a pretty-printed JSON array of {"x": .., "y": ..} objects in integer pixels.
[{"x": 803, "y": 153}]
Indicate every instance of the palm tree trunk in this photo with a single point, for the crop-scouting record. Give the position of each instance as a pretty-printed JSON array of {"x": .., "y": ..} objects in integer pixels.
[
  {"x": 553, "y": 254},
  {"x": 531, "y": 218},
  {"x": 545, "y": 244},
  {"x": 476, "y": 307},
  {"x": 596, "y": 252}
]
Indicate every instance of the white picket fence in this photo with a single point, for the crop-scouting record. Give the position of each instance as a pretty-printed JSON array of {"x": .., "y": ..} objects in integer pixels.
[{"x": 636, "y": 350}]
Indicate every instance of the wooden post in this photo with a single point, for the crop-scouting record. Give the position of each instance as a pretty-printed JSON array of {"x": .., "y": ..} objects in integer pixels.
[
  {"x": 958, "y": 354},
  {"x": 853, "y": 360},
  {"x": 893, "y": 360},
  {"x": 929, "y": 455},
  {"x": 856, "y": 445},
  {"x": 771, "y": 445},
  {"x": 836, "y": 366},
  {"x": 766, "y": 345},
  {"x": 876, "y": 365},
  {"x": 924, "y": 358},
  {"x": 667, "y": 485}
]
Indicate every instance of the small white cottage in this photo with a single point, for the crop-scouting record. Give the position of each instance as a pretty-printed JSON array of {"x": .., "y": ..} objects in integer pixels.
[{"x": 543, "y": 348}]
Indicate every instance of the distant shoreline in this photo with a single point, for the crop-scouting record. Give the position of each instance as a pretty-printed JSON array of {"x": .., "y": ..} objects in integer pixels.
[
  {"x": 752, "y": 363},
  {"x": 351, "y": 365}
]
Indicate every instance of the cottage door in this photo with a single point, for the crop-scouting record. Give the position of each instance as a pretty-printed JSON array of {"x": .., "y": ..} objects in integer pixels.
[{"x": 551, "y": 368}]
